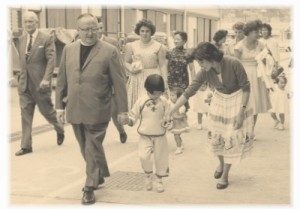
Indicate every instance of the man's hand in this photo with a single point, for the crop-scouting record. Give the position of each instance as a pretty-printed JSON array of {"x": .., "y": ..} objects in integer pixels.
[
  {"x": 60, "y": 115},
  {"x": 45, "y": 84}
]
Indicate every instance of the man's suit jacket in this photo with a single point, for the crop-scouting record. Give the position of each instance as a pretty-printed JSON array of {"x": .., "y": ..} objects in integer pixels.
[
  {"x": 89, "y": 90},
  {"x": 40, "y": 63}
]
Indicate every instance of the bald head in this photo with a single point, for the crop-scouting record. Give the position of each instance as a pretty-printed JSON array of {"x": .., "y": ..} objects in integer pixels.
[
  {"x": 30, "y": 22},
  {"x": 88, "y": 28},
  {"x": 30, "y": 15}
]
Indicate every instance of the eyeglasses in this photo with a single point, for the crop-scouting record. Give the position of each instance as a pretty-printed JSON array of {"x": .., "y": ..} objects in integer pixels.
[{"x": 86, "y": 30}]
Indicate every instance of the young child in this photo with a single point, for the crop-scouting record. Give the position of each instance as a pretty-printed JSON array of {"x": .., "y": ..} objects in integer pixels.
[
  {"x": 201, "y": 103},
  {"x": 150, "y": 110},
  {"x": 180, "y": 124},
  {"x": 280, "y": 103}
]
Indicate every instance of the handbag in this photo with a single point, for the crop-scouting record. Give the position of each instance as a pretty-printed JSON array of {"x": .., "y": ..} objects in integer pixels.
[{"x": 277, "y": 69}]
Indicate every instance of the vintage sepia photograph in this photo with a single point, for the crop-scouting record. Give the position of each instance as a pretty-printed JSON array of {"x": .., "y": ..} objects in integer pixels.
[{"x": 140, "y": 105}]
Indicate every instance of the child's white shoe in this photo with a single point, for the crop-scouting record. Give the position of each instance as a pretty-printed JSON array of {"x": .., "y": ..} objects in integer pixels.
[
  {"x": 148, "y": 182},
  {"x": 199, "y": 127},
  {"x": 276, "y": 123},
  {"x": 178, "y": 151},
  {"x": 159, "y": 186},
  {"x": 228, "y": 144},
  {"x": 280, "y": 127}
]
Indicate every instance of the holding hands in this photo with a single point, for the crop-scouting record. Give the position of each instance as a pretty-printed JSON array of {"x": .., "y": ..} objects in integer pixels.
[{"x": 123, "y": 119}]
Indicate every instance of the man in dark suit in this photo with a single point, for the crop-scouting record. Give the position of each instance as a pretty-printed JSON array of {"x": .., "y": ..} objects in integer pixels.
[
  {"x": 89, "y": 71},
  {"x": 37, "y": 60},
  {"x": 114, "y": 114}
]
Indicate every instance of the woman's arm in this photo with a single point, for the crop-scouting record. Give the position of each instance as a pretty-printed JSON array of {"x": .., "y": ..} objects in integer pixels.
[
  {"x": 192, "y": 69},
  {"x": 162, "y": 62},
  {"x": 181, "y": 101}
]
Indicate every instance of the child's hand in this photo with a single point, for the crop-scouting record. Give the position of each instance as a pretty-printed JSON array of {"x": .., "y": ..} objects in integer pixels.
[{"x": 168, "y": 125}]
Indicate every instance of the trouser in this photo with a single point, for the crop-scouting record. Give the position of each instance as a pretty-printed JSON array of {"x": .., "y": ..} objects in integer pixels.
[
  {"x": 114, "y": 116},
  {"x": 90, "y": 138},
  {"x": 159, "y": 147},
  {"x": 28, "y": 100}
]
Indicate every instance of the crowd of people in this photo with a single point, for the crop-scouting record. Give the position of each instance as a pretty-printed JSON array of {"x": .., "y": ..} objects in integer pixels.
[{"x": 151, "y": 87}]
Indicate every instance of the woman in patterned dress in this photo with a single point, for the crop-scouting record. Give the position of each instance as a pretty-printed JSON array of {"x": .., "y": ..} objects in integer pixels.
[
  {"x": 143, "y": 58},
  {"x": 179, "y": 60}
]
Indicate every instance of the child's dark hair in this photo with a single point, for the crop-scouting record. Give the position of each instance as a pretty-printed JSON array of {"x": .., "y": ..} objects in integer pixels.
[
  {"x": 154, "y": 82},
  {"x": 179, "y": 91}
]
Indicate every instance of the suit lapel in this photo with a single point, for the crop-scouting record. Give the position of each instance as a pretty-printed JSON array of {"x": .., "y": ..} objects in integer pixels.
[
  {"x": 22, "y": 49},
  {"x": 92, "y": 54},
  {"x": 35, "y": 44},
  {"x": 76, "y": 57}
]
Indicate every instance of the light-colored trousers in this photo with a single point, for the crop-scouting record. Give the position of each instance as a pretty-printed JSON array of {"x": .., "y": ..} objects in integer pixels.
[{"x": 157, "y": 145}]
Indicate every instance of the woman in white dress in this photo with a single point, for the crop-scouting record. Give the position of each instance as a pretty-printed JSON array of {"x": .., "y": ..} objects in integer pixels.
[
  {"x": 143, "y": 58},
  {"x": 246, "y": 50}
]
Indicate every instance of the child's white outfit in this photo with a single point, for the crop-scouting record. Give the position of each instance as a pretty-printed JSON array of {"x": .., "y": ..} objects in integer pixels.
[
  {"x": 200, "y": 105},
  {"x": 152, "y": 133},
  {"x": 180, "y": 124},
  {"x": 280, "y": 104}
]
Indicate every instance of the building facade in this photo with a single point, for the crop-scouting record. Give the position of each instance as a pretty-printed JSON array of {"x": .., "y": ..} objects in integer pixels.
[{"x": 200, "y": 24}]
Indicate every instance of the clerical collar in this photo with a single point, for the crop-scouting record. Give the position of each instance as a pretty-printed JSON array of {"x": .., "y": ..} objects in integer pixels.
[
  {"x": 179, "y": 47},
  {"x": 86, "y": 44}
]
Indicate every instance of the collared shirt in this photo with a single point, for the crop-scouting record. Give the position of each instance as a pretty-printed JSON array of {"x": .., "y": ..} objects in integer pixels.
[{"x": 34, "y": 35}]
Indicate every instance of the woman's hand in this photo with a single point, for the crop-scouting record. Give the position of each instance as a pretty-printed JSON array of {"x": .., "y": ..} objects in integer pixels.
[
  {"x": 238, "y": 122},
  {"x": 135, "y": 70}
]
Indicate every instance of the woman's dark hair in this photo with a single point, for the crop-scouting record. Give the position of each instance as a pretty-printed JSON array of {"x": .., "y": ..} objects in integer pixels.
[
  {"x": 179, "y": 91},
  {"x": 253, "y": 25},
  {"x": 182, "y": 34},
  {"x": 154, "y": 82},
  {"x": 219, "y": 35},
  {"x": 147, "y": 23},
  {"x": 268, "y": 27},
  {"x": 208, "y": 51},
  {"x": 238, "y": 26}
]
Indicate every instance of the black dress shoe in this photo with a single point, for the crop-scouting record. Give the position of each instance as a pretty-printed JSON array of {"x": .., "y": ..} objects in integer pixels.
[
  {"x": 60, "y": 138},
  {"x": 88, "y": 197},
  {"x": 23, "y": 151},
  {"x": 123, "y": 137},
  {"x": 218, "y": 174},
  {"x": 222, "y": 186}
]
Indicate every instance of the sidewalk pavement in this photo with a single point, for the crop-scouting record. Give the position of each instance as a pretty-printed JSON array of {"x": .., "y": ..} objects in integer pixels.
[{"x": 55, "y": 174}]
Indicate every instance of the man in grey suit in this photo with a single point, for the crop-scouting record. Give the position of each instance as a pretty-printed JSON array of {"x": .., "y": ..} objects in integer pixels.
[
  {"x": 114, "y": 114},
  {"x": 37, "y": 59},
  {"x": 89, "y": 71}
]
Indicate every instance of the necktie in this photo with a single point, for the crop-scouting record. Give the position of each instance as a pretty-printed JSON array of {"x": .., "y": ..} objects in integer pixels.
[{"x": 29, "y": 47}]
